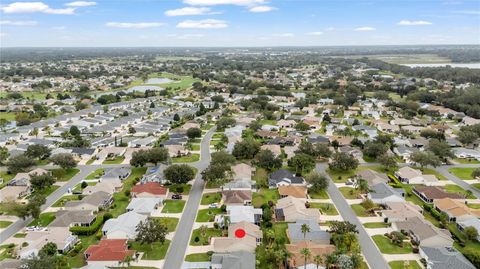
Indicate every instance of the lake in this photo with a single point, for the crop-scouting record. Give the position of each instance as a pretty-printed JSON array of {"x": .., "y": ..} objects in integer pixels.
[
  {"x": 463, "y": 65},
  {"x": 158, "y": 80}
]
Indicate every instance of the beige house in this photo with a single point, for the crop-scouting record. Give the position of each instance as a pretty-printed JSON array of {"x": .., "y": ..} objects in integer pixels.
[
  {"x": 237, "y": 197},
  {"x": 176, "y": 150},
  {"x": 456, "y": 210},
  {"x": 399, "y": 211},
  {"x": 424, "y": 233},
  {"x": 291, "y": 209},
  {"x": 275, "y": 149},
  {"x": 242, "y": 171}
]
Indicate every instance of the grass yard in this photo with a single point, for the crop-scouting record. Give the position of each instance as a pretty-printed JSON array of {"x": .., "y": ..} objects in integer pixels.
[
  {"x": 4, "y": 224},
  {"x": 171, "y": 223},
  {"x": 374, "y": 225},
  {"x": 263, "y": 196},
  {"x": 462, "y": 173},
  {"x": 78, "y": 187},
  {"x": 121, "y": 199},
  {"x": 155, "y": 251},
  {"x": 452, "y": 188},
  {"x": 173, "y": 206},
  {"x": 20, "y": 235},
  {"x": 196, "y": 147},
  {"x": 261, "y": 177},
  {"x": 268, "y": 122},
  {"x": 187, "y": 159},
  {"x": 61, "y": 202},
  {"x": 6, "y": 178},
  {"x": 430, "y": 171},
  {"x": 341, "y": 176},
  {"x": 96, "y": 174},
  {"x": 43, "y": 220},
  {"x": 360, "y": 210},
  {"x": 401, "y": 265},
  {"x": 116, "y": 160},
  {"x": 64, "y": 174},
  {"x": 198, "y": 257},
  {"x": 349, "y": 193},
  {"x": 217, "y": 135},
  {"x": 318, "y": 195},
  {"x": 325, "y": 208},
  {"x": 476, "y": 185},
  {"x": 280, "y": 229},
  {"x": 207, "y": 214},
  {"x": 199, "y": 239},
  {"x": 387, "y": 247},
  {"x": 7, "y": 252},
  {"x": 48, "y": 190},
  {"x": 474, "y": 206},
  {"x": 180, "y": 188},
  {"x": 10, "y": 116},
  {"x": 209, "y": 198},
  {"x": 466, "y": 161}
]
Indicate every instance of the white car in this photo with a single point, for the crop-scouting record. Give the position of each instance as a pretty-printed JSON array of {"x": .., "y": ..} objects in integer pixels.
[{"x": 213, "y": 205}]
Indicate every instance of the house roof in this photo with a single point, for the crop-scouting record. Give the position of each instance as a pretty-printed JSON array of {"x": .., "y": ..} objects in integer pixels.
[
  {"x": 382, "y": 190},
  {"x": 446, "y": 258},
  {"x": 295, "y": 191},
  {"x": 283, "y": 175},
  {"x": 408, "y": 172},
  {"x": 235, "y": 260},
  {"x": 422, "y": 229},
  {"x": 455, "y": 208},
  {"x": 228, "y": 244},
  {"x": 109, "y": 250},
  {"x": 297, "y": 258},
  {"x": 64, "y": 218},
  {"x": 249, "y": 228},
  {"x": 143, "y": 205},
  {"x": 372, "y": 177},
  {"x": 401, "y": 210},
  {"x": 150, "y": 187},
  {"x": 434, "y": 192},
  {"x": 236, "y": 196},
  {"x": 241, "y": 171},
  {"x": 126, "y": 222},
  {"x": 316, "y": 233},
  {"x": 291, "y": 206}
]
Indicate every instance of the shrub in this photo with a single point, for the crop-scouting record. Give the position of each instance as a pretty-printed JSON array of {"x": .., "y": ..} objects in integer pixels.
[{"x": 79, "y": 230}]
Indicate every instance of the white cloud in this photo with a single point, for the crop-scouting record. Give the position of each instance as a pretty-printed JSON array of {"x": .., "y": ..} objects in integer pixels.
[
  {"x": 283, "y": 35},
  {"x": 203, "y": 24},
  {"x": 81, "y": 4},
  {"x": 330, "y": 29},
  {"x": 186, "y": 36},
  {"x": 314, "y": 33},
  {"x": 189, "y": 11},
  {"x": 224, "y": 2},
  {"x": 258, "y": 9},
  {"x": 409, "y": 23},
  {"x": 19, "y": 23},
  {"x": 467, "y": 12},
  {"x": 137, "y": 25},
  {"x": 35, "y": 7},
  {"x": 365, "y": 29}
]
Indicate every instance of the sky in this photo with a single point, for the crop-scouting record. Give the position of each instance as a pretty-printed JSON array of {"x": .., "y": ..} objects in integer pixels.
[{"x": 237, "y": 23}]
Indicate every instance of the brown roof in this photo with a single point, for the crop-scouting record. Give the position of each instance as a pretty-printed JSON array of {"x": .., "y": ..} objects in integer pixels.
[
  {"x": 455, "y": 208},
  {"x": 434, "y": 192},
  {"x": 236, "y": 196},
  {"x": 291, "y": 190},
  {"x": 109, "y": 250},
  {"x": 297, "y": 258}
]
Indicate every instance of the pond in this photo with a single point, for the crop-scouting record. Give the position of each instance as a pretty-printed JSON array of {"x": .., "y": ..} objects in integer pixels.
[{"x": 158, "y": 81}]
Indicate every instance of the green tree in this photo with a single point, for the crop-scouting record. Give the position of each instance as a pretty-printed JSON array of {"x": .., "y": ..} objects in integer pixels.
[
  {"x": 74, "y": 131},
  {"x": 64, "y": 160},
  {"x": 476, "y": 173},
  {"x": 302, "y": 126},
  {"x": 440, "y": 148},
  {"x": 246, "y": 149},
  {"x": 179, "y": 173},
  {"x": 362, "y": 185},
  {"x": 306, "y": 253},
  {"x": 267, "y": 160},
  {"x": 19, "y": 163},
  {"x": 193, "y": 133},
  {"x": 222, "y": 157},
  {"x": 471, "y": 233},
  {"x": 37, "y": 151},
  {"x": 387, "y": 161},
  {"x": 374, "y": 149},
  {"x": 302, "y": 163},
  {"x": 425, "y": 158},
  {"x": 151, "y": 231},
  {"x": 343, "y": 162},
  {"x": 467, "y": 137},
  {"x": 3, "y": 154},
  {"x": 305, "y": 228},
  {"x": 318, "y": 182},
  {"x": 40, "y": 182},
  {"x": 48, "y": 250}
]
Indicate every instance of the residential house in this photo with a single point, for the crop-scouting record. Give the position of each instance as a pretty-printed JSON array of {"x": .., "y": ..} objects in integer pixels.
[
  {"x": 399, "y": 211},
  {"x": 473, "y": 221},
  {"x": 297, "y": 260},
  {"x": 109, "y": 186},
  {"x": 291, "y": 209},
  {"x": 149, "y": 189},
  {"x": 239, "y": 213},
  {"x": 414, "y": 176},
  {"x": 95, "y": 201},
  {"x": 237, "y": 197},
  {"x": 60, "y": 236},
  {"x": 176, "y": 150},
  {"x": 284, "y": 177},
  {"x": 242, "y": 171},
  {"x": 108, "y": 252},
  {"x": 120, "y": 173},
  {"x": 456, "y": 210},
  {"x": 144, "y": 206},
  {"x": 430, "y": 193},
  {"x": 66, "y": 218},
  {"x": 233, "y": 260},
  {"x": 251, "y": 230},
  {"x": 383, "y": 193},
  {"x": 124, "y": 226},
  {"x": 294, "y": 191},
  {"x": 423, "y": 232},
  {"x": 275, "y": 149},
  {"x": 233, "y": 244},
  {"x": 315, "y": 234},
  {"x": 372, "y": 177},
  {"x": 444, "y": 257}
]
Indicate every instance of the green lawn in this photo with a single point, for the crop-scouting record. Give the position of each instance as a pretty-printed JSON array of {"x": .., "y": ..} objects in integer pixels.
[
  {"x": 373, "y": 225},
  {"x": 466, "y": 161},
  {"x": 155, "y": 251},
  {"x": 202, "y": 240},
  {"x": 325, "y": 208},
  {"x": 198, "y": 257},
  {"x": 349, "y": 192},
  {"x": 48, "y": 190},
  {"x": 318, "y": 195},
  {"x": 209, "y": 198},
  {"x": 280, "y": 229},
  {"x": 4, "y": 224},
  {"x": 10, "y": 116},
  {"x": 261, "y": 178},
  {"x": 6, "y": 178},
  {"x": 176, "y": 187},
  {"x": 360, "y": 210},
  {"x": 43, "y": 220},
  {"x": 116, "y": 160},
  {"x": 401, "y": 265},
  {"x": 462, "y": 173},
  {"x": 96, "y": 174},
  {"x": 195, "y": 147},
  {"x": 173, "y": 206},
  {"x": 430, "y": 171},
  {"x": 187, "y": 159},
  {"x": 78, "y": 187},
  {"x": 20, "y": 235},
  {"x": 387, "y": 247},
  {"x": 341, "y": 176},
  {"x": 64, "y": 174},
  {"x": 7, "y": 252},
  {"x": 171, "y": 223},
  {"x": 120, "y": 199},
  {"x": 476, "y": 185},
  {"x": 457, "y": 189},
  {"x": 217, "y": 135},
  {"x": 268, "y": 122},
  {"x": 263, "y": 196},
  {"x": 207, "y": 214},
  {"x": 61, "y": 202}
]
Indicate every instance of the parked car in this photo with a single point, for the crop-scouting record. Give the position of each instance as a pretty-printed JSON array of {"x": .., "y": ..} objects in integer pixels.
[
  {"x": 177, "y": 197},
  {"x": 213, "y": 205}
]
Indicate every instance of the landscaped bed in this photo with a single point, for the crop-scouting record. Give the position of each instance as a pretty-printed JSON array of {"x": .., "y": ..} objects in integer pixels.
[
  {"x": 199, "y": 239},
  {"x": 198, "y": 257},
  {"x": 405, "y": 265}
]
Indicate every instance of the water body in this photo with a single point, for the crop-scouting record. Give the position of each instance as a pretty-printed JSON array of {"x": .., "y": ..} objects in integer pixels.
[
  {"x": 463, "y": 65},
  {"x": 143, "y": 89},
  {"x": 158, "y": 80}
]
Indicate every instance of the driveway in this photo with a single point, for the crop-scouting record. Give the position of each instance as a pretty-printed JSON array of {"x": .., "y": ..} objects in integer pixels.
[{"x": 176, "y": 252}]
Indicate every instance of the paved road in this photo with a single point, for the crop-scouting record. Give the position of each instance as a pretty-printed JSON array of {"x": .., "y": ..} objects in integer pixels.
[
  {"x": 373, "y": 256},
  {"x": 444, "y": 171},
  {"x": 51, "y": 199},
  {"x": 176, "y": 252}
]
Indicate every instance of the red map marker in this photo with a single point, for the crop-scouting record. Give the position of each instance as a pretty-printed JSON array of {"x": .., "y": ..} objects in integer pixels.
[{"x": 240, "y": 233}]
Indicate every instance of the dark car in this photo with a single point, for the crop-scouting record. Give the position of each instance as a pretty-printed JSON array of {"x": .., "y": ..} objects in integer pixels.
[{"x": 176, "y": 196}]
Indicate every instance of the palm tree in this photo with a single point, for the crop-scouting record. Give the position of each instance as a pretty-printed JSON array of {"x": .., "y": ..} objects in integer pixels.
[
  {"x": 362, "y": 185},
  {"x": 318, "y": 260},
  {"x": 306, "y": 255},
  {"x": 305, "y": 229}
]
